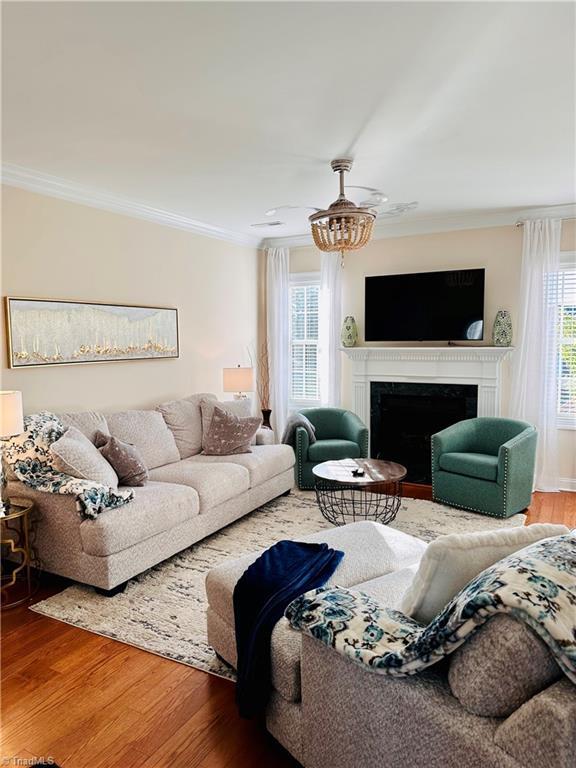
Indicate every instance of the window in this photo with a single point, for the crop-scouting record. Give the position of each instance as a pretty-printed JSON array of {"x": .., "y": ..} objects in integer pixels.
[
  {"x": 304, "y": 295},
  {"x": 566, "y": 292}
]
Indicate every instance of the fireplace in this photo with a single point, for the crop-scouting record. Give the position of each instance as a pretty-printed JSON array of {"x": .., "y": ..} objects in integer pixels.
[{"x": 403, "y": 416}]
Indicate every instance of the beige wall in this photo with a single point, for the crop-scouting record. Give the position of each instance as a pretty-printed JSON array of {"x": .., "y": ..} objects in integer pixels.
[
  {"x": 498, "y": 250},
  {"x": 57, "y": 249}
]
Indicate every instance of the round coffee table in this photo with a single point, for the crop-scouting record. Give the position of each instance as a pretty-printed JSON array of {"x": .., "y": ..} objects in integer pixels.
[{"x": 344, "y": 497}]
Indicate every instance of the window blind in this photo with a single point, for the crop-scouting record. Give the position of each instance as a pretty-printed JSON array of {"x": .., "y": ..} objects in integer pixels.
[
  {"x": 566, "y": 293},
  {"x": 304, "y": 342}
]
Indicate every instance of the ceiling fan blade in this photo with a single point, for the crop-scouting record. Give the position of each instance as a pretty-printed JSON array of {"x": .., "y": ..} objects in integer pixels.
[
  {"x": 397, "y": 209},
  {"x": 274, "y": 211}
]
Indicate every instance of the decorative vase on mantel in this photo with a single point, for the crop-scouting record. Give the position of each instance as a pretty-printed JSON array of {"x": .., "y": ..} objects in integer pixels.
[
  {"x": 502, "y": 331},
  {"x": 349, "y": 334}
]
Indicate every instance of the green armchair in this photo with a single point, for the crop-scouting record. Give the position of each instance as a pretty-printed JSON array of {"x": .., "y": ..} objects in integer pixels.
[
  {"x": 485, "y": 465},
  {"x": 339, "y": 435}
]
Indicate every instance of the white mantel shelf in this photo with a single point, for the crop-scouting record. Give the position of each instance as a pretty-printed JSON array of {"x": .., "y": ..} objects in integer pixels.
[
  {"x": 464, "y": 353},
  {"x": 480, "y": 366}
]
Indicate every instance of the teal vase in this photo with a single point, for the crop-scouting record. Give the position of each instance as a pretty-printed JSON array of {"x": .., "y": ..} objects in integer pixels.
[
  {"x": 349, "y": 335},
  {"x": 502, "y": 331}
]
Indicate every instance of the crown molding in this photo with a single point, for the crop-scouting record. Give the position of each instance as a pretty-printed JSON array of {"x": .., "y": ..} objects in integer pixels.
[
  {"x": 386, "y": 228},
  {"x": 54, "y": 186}
]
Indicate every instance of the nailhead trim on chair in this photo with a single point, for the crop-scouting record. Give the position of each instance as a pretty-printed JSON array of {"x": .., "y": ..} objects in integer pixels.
[
  {"x": 299, "y": 457},
  {"x": 505, "y": 484}
]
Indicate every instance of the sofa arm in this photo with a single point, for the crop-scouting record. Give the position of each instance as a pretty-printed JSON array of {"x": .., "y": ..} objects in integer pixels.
[
  {"x": 265, "y": 436},
  {"x": 302, "y": 445},
  {"x": 355, "y": 430},
  {"x": 455, "y": 438},
  {"x": 541, "y": 732}
]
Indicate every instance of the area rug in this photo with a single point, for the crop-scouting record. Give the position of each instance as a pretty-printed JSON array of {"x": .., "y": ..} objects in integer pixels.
[{"x": 164, "y": 610}]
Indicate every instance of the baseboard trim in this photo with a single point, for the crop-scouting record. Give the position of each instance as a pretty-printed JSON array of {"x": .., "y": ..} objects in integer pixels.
[
  {"x": 568, "y": 484},
  {"x": 417, "y": 491}
]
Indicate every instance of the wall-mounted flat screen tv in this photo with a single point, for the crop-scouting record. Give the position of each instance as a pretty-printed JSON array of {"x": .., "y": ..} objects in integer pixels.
[{"x": 425, "y": 306}]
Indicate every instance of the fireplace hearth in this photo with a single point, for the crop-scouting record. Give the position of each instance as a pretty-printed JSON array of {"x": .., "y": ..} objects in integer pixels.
[{"x": 404, "y": 415}]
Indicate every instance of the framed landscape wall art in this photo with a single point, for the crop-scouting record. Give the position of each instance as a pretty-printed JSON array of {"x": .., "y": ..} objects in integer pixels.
[{"x": 54, "y": 332}]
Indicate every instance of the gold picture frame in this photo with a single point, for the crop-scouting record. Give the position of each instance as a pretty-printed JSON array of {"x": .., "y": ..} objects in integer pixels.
[{"x": 49, "y": 332}]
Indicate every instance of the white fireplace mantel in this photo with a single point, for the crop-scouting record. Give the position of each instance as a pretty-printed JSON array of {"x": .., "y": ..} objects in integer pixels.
[{"x": 479, "y": 366}]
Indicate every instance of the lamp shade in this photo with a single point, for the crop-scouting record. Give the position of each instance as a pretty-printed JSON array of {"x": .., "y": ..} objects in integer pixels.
[
  {"x": 11, "y": 416},
  {"x": 238, "y": 379}
]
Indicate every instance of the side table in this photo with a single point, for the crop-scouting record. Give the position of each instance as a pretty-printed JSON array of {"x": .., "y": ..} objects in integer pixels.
[{"x": 16, "y": 542}]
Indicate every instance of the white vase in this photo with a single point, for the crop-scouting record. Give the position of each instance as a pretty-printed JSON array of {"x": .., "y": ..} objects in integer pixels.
[
  {"x": 502, "y": 330},
  {"x": 349, "y": 334}
]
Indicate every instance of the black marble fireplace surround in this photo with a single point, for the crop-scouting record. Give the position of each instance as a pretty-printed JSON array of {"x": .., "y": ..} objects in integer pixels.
[{"x": 403, "y": 416}]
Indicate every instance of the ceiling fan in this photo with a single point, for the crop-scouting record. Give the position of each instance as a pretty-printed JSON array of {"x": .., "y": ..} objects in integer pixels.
[{"x": 344, "y": 225}]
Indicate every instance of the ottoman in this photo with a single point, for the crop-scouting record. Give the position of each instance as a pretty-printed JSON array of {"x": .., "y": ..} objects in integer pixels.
[{"x": 371, "y": 550}]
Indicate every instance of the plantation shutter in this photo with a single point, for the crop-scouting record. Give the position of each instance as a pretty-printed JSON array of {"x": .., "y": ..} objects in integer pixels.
[{"x": 304, "y": 342}]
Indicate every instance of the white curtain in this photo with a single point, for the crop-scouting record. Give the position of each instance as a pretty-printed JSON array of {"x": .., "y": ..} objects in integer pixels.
[
  {"x": 535, "y": 363},
  {"x": 278, "y": 330},
  {"x": 330, "y": 320}
]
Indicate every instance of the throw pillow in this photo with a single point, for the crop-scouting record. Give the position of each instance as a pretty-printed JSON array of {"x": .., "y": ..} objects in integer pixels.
[
  {"x": 229, "y": 434},
  {"x": 450, "y": 562},
  {"x": 241, "y": 408},
  {"x": 500, "y": 667},
  {"x": 146, "y": 430},
  {"x": 76, "y": 456},
  {"x": 125, "y": 458},
  {"x": 184, "y": 420}
]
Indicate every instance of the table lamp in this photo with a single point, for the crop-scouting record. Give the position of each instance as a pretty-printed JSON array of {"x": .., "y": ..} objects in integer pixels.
[
  {"x": 238, "y": 380},
  {"x": 11, "y": 424}
]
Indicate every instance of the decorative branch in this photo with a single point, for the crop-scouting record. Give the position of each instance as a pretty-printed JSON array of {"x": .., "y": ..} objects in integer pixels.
[{"x": 264, "y": 377}]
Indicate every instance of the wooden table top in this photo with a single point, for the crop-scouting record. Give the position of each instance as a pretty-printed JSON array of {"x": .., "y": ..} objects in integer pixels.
[{"x": 376, "y": 471}]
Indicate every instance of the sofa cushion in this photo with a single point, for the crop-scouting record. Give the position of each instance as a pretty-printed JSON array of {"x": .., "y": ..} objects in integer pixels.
[
  {"x": 265, "y": 461},
  {"x": 541, "y": 732},
  {"x": 88, "y": 422},
  {"x": 500, "y": 667},
  {"x": 332, "y": 450},
  {"x": 156, "y": 507},
  {"x": 184, "y": 419},
  {"x": 451, "y": 561},
  {"x": 479, "y": 465},
  {"x": 146, "y": 430},
  {"x": 214, "y": 483},
  {"x": 371, "y": 550},
  {"x": 75, "y": 455}
]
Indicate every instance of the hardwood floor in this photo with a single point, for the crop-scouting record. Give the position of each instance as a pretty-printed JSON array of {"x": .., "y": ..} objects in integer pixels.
[{"x": 86, "y": 701}]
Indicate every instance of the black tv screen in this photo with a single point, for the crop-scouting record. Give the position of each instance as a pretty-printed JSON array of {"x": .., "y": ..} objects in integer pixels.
[{"x": 425, "y": 306}]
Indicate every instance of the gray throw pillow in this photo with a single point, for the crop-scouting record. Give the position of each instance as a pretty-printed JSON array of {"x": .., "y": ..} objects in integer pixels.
[
  {"x": 500, "y": 667},
  {"x": 76, "y": 456},
  {"x": 229, "y": 434},
  {"x": 125, "y": 458}
]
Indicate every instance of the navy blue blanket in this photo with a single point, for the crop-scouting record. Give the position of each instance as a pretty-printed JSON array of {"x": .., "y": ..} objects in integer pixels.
[{"x": 262, "y": 594}]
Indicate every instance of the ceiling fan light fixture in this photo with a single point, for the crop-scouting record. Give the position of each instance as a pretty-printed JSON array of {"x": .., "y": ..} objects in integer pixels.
[{"x": 343, "y": 226}]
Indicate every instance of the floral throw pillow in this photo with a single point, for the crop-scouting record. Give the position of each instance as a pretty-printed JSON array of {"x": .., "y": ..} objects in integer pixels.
[{"x": 229, "y": 434}]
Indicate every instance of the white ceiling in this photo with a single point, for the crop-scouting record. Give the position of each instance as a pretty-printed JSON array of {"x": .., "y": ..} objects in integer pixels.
[{"x": 219, "y": 111}]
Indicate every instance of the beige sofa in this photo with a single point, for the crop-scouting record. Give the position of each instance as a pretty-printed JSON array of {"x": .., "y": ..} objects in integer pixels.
[
  {"x": 188, "y": 496},
  {"x": 500, "y": 701}
]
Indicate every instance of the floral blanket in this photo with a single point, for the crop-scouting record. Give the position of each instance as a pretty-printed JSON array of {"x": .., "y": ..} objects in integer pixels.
[
  {"x": 536, "y": 585},
  {"x": 28, "y": 456}
]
